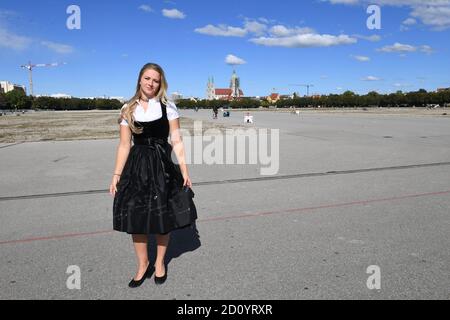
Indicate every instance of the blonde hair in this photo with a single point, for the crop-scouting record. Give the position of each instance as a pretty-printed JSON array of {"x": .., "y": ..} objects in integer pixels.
[{"x": 128, "y": 109}]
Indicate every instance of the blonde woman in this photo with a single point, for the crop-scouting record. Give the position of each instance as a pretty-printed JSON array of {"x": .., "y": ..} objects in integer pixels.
[{"x": 145, "y": 177}]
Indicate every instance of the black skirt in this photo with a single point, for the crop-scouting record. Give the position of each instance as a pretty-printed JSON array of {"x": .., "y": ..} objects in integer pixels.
[{"x": 148, "y": 181}]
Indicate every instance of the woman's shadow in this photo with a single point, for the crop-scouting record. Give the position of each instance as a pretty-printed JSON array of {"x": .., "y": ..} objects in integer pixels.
[{"x": 181, "y": 241}]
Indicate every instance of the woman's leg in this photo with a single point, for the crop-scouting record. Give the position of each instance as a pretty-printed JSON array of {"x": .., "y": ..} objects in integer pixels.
[
  {"x": 140, "y": 246},
  {"x": 162, "y": 241}
]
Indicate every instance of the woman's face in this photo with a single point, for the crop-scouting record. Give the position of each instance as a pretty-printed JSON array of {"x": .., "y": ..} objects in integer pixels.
[{"x": 150, "y": 82}]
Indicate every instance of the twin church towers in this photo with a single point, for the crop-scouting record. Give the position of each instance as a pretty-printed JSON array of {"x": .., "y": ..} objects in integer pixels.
[{"x": 231, "y": 93}]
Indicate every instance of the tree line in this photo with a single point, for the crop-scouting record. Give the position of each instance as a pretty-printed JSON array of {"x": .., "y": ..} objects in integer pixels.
[
  {"x": 18, "y": 100},
  {"x": 348, "y": 99}
]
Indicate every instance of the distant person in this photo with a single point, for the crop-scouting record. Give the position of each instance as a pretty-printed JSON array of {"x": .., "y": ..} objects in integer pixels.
[
  {"x": 248, "y": 118},
  {"x": 215, "y": 112},
  {"x": 145, "y": 177}
]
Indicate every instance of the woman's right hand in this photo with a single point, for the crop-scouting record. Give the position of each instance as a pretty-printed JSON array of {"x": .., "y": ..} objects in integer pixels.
[{"x": 113, "y": 186}]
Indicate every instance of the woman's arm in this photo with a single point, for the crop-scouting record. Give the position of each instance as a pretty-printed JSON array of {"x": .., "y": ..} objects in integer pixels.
[
  {"x": 178, "y": 148},
  {"x": 123, "y": 149},
  {"x": 121, "y": 157}
]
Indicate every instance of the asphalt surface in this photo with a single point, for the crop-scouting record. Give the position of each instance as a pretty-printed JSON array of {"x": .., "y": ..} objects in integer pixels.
[{"x": 350, "y": 191}]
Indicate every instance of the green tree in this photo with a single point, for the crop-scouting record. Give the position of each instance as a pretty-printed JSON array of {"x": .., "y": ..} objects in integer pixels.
[
  {"x": 3, "y": 101},
  {"x": 17, "y": 99}
]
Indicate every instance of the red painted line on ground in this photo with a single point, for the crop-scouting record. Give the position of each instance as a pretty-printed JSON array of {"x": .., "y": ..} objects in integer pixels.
[
  {"x": 337, "y": 205},
  {"x": 70, "y": 235},
  {"x": 255, "y": 214}
]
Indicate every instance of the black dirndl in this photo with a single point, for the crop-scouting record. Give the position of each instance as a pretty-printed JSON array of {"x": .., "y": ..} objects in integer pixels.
[{"x": 149, "y": 179}]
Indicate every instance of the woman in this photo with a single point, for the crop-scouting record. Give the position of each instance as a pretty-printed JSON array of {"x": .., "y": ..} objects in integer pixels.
[{"x": 145, "y": 178}]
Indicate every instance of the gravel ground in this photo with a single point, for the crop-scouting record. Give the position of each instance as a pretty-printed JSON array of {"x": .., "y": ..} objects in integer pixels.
[{"x": 71, "y": 125}]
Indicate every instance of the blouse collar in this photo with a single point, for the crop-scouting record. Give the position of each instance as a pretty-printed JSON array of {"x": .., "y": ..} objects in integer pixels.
[{"x": 152, "y": 100}]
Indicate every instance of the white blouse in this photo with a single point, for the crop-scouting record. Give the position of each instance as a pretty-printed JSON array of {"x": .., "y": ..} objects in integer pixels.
[{"x": 153, "y": 112}]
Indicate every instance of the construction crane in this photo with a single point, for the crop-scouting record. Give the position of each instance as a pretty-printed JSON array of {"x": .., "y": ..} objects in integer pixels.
[
  {"x": 304, "y": 85},
  {"x": 274, "y": 90},
  {"x": 30, "y": 67}
]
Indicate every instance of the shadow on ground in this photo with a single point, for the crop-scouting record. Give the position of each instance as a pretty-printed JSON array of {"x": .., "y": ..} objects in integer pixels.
[{"x": 181, "y": 241}]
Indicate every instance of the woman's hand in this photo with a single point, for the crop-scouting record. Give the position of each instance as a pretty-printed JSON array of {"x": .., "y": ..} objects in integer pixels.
[
  {"x": 113, "y": 186},
  {"x": 187, "y": 181}
]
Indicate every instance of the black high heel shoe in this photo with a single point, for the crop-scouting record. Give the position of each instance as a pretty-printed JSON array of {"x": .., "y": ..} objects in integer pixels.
[
  {"x": 161, "y": 280},
  {"x": 148, "y": 273}
]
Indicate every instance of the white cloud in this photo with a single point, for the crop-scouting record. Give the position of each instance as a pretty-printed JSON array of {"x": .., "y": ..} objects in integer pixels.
[
  {"x": 146, "y": 8},
  {"x": 405, "y": 48},
  {"x": 409, "y": 22},
  {"x": 277, "y": 35},
  {"x": 173, "y": 14},
  {"x": 250, "y": 26},
  {"x": 233, "y": 60},
  {"x": 398, "y": 47},
  {"x": 436, "y": 16},
  {"x": 57, "y": 47},
  {"x": 361, "y": 58},
  {"x": 222, "y": 30},
  {"x": 255, "y": 27},
  {"x": 282, "y": 31},
  {"x": 434, "y": 13},
  {"x": 305, "y": 41},
  {"x": 17, "y": 42},
  {"x": 371, "y": 78},
  {"x": 426, "y": 49},
  {"x": 406, "y": 23},
  {"x": 372, "y": 38},
  {"x": 402, "y": 85},
  {"x": 13, "y": 41}
]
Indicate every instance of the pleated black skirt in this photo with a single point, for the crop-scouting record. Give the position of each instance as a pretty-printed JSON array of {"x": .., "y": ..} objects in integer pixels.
[{"x": 148, "y": 181}]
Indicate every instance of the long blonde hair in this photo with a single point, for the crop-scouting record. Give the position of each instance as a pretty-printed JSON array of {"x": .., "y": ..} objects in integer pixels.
[{"x": 128, "y": 109}]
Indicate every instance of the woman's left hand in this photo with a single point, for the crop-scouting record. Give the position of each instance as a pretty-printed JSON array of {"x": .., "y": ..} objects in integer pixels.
[{"x": 187, "y": 181}]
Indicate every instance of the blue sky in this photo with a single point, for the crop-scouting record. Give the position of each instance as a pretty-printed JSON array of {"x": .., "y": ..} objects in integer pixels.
[{"x": 270, "y": 44}]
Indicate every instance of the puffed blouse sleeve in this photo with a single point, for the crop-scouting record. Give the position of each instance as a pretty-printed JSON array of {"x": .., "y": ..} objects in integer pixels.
[
  {"x": 124, "y": 122},
  {"x": 172, "y": 111}
]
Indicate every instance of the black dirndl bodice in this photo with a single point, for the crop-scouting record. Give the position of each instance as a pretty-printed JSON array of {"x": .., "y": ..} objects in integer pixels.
[{"x": 149, "y": 179}]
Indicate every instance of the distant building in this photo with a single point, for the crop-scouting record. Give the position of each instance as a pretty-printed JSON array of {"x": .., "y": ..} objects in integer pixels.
[
  {"x": 231, "y": 93},
  {"x": 55, "y": 95},
  {"x": 443, "y": 89},
  {"x": 175, "y": 96},
  {"x": 61, "y": 95},
  {"x": 6, "y": 86},
  {"x": 273, "y": 98},
  {"x": 121, "y": 99}
]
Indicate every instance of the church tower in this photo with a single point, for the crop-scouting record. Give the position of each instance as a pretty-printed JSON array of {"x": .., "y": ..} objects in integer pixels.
[
  {"x": 235, "y": 85},
  {"x": 210, "y": 90}
]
